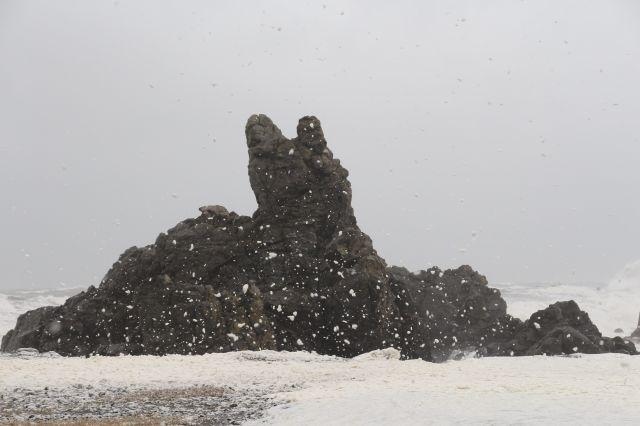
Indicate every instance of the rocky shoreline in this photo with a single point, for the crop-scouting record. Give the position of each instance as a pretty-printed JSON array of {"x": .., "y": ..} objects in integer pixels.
[
  {"x": 298, "y": 275},
  {"x": 101, "y": 401},
  {"x": 78, "y": 405}
]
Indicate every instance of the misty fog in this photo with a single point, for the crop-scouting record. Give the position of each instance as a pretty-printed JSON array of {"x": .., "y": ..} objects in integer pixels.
[{"x": 500, "y": 134}]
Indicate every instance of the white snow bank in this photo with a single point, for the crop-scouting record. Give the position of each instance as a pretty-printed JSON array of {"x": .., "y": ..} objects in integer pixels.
[
  {"x": 527, "y": 390},
  {"x": 376, "y": 388}
]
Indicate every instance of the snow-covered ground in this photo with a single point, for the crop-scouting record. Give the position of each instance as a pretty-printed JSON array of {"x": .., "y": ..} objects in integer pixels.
[{"x": 302, "y": 388}]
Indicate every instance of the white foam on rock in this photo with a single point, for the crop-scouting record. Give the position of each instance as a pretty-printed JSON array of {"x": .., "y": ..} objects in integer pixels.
[{"x": 380, "y": 354}]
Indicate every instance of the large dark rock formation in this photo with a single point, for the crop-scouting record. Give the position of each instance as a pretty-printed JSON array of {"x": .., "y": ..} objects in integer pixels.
[{"x": 297, "y": 275}]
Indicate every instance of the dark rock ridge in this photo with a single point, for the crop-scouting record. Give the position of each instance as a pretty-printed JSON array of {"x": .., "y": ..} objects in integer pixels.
[{"x": 297, "y": 275}]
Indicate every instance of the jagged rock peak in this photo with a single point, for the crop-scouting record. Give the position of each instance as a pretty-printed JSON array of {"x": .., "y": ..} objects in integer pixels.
[{"x": 296, "y": 178}]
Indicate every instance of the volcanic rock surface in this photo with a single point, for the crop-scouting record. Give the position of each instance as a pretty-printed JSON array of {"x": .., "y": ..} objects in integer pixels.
[{"x": 297, "y": 275}]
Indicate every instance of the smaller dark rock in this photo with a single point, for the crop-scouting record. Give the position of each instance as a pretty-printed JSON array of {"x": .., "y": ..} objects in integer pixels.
[
  {"x": 563, "y": 340},
  {"x": 617, "y": 345},
  {"x": 27, "y": 330},
  {"x": 560, "y": 329}
]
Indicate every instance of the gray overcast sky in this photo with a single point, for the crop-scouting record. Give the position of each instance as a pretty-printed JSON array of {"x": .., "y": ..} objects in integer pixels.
[{"x": 500, "y": 134}]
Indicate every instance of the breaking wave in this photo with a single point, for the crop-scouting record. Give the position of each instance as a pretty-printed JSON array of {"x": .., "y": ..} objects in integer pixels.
[
  {"x": 15, "y": 303},
  {"x": 613, "y": 306}
]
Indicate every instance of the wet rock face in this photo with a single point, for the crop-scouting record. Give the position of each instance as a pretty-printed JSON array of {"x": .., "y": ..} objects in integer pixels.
[
  {"x": 453, "y": 310},
  {"x": 297, "y": 275}
]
